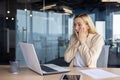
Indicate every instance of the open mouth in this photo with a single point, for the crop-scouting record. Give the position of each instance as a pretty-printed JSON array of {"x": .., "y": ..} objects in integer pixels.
[{"x": 77, "y": 32}]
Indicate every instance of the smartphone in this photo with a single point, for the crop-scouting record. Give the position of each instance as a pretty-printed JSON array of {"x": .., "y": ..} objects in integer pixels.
[{"x": 71, "y": 77}]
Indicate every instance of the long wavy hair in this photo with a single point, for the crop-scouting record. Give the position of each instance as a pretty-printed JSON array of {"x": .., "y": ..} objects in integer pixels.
[{"x": 87, "y": 19}]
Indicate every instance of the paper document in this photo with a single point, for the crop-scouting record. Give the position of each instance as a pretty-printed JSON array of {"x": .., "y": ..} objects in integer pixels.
[{"x": 98, "y": 73}]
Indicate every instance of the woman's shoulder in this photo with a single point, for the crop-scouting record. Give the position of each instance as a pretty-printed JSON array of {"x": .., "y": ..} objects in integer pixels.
[{"x": 96, "y": 36}]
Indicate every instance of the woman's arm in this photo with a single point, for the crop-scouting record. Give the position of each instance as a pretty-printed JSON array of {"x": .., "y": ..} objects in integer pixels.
[
  {"x": 92, "y": 54},
  {"x": 71, "y": 50}
]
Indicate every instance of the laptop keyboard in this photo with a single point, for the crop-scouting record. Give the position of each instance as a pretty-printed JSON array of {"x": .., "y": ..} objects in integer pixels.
[{"x": 47, "y": 69}]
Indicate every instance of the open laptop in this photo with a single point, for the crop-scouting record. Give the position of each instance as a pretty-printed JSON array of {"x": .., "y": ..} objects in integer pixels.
[{"x": 32, "y": 61}]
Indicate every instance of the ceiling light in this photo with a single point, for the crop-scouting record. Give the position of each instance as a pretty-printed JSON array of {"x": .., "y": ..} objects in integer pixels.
[
  {"x": 30, "y": 15},
  {"x": 6, "y": 17},
  {"x": 111, "y": 1},
  {"x": 8, "y": 11},
  {"x": 67, "y": 10},
  {"x": 12, "y": 18},
  {"x": 48, "y": 7},
  {"x": 25, "y": 9}
]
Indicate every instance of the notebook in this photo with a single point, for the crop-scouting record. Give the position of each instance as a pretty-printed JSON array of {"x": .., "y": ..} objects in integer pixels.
[{"x": 32, "y": 61}]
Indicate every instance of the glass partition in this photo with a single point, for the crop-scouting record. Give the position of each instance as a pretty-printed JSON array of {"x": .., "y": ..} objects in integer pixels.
[
  {"x": 116, "y": 27},
  {"x": 46, "y": 30},
  {"x": 22, "y": 27}
]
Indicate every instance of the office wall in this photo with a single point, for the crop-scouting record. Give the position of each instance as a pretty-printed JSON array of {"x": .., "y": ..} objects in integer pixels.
[
  {"x": 100, "y": 27},
  {"x": 2, "y": 7},
  {"x": 103, "y": 15}
]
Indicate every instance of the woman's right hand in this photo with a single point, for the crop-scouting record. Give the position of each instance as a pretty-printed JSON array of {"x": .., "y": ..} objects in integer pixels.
[
  {"x": 81, "y": 35},
  {"x": 78, "y": 42}
]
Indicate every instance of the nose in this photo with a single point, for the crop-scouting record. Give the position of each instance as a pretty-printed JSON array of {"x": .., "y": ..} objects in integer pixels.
[{"x": 76, "y": 27}]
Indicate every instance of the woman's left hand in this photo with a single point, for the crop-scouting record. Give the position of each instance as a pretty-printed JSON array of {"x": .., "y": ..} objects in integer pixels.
[{"x": 82, "y": 35}]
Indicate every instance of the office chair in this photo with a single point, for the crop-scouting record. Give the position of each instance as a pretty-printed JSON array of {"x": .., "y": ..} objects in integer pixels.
[{"x": 103, "y": 58}]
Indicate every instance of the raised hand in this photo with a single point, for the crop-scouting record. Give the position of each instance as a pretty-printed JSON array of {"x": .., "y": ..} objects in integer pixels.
[{"x": 81, "y": 35}]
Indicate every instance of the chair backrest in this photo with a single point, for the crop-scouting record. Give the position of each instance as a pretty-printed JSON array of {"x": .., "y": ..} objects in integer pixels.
[{"x": 103, "y": 58}]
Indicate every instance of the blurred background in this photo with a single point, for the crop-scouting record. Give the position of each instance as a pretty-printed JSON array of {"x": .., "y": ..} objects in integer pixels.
[{"x": 48, "y": 25}]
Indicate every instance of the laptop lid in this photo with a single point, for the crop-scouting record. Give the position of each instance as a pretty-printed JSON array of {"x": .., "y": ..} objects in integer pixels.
[
  {"x": 32, "y": 61},
  {"x": 30, "y": 57}
]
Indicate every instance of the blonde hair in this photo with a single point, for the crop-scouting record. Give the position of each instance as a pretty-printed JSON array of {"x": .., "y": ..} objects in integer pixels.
[{"x": 87, "y": 19}]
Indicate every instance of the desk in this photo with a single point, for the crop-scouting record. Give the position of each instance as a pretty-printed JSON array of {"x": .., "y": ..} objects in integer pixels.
[{"x": 26, "y": 74}]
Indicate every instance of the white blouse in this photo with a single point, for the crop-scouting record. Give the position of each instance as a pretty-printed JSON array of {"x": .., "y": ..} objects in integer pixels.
[{"x": 78, "y": 61}]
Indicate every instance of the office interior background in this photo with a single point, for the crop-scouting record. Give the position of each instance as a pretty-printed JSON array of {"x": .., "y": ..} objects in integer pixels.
[{"x": 48, "y": 25}]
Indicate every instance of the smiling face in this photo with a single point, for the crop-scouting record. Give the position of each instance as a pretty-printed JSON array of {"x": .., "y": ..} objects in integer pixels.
[{"x": 80, "y": 24}]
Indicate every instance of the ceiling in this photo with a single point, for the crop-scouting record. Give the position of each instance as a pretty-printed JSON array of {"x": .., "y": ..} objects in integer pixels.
[
  {"x": 23, "y": 1},
  {"x": 55, "y": 5},
  {"x": 69, "y": 3}
]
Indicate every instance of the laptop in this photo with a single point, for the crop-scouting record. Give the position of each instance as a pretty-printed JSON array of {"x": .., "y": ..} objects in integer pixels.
[{"x": 32, "y": 61}]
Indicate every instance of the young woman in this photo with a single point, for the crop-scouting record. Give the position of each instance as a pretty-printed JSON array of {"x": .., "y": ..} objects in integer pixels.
[{"x": 85, "y": 43}]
